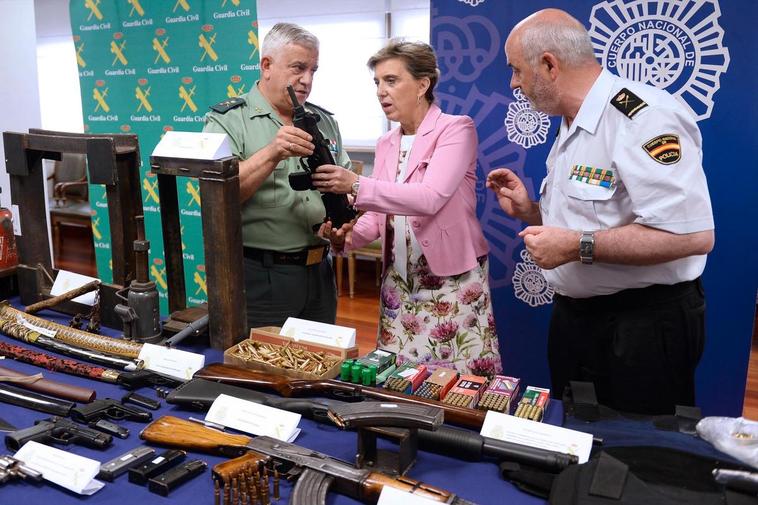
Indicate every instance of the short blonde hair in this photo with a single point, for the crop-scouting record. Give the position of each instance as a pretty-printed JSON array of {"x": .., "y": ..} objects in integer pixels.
[{"x": 419, "y": 59}]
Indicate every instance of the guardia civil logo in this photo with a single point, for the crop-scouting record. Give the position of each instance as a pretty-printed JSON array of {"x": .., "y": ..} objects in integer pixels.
[{"x": 676, "y": 45}]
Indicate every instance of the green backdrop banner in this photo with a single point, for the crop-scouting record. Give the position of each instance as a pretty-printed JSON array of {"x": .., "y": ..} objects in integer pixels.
[{"x": 150, "y": 66}]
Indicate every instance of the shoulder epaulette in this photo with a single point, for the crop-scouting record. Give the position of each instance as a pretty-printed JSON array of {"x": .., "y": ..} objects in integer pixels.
[
  {"x": 227, "y": 105},
  {"x": 628, "y": 103},
  {"x": 309, "y": 104}
]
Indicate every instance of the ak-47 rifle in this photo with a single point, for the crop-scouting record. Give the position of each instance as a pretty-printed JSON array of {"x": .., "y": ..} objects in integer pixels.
[
  {"x": 318, "y": 473},
  {"x": 345, "y": 391}
]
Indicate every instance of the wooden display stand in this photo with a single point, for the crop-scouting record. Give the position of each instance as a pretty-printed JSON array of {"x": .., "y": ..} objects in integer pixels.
[
  {"x": 222, "y": 241},
  {"x": 112, "y": 160}
]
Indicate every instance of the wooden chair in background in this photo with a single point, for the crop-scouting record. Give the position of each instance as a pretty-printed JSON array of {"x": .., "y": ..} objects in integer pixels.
[{"x": 69, "y": 205}]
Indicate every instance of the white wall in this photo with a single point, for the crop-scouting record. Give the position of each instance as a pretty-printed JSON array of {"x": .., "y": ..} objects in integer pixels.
[
  {"x": 60, "y": 96},
  {"x": 19, "y": 96}
]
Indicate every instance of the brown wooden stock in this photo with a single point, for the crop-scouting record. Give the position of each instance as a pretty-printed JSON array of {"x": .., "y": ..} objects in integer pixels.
[
  {"x": 372, "y": 486},
  {"x": 52, "y": 388},
  {"x": 175, "y": 432},
  {"x": 286, "y": 387}
]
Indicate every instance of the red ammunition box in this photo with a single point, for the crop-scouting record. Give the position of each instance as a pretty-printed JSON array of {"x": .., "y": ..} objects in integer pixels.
[
  {"x": 407, "y": 378},
  {"x": 438, "y": 384},
  {"x": 468, "y": 388}
]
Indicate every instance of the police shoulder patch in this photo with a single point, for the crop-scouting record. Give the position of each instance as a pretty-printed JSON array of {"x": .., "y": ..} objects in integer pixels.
[
  {"x": 628, "y": 103},
  {"x": 227, "y": 105},
  {"x": 664, "y": 148}
]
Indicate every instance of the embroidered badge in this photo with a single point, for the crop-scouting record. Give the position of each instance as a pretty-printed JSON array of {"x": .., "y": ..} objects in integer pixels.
[
  {"x": 592, "y": 175},
  {"x": 664, "y": 148},
  {"x": 628, "y": 103}
]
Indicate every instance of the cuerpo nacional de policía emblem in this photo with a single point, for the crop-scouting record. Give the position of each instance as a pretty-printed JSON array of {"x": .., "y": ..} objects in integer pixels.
[
  {"x": 676, "y": 45},
  {"x": 529, "y": 283},
  {"x": 524, "y": 125}
]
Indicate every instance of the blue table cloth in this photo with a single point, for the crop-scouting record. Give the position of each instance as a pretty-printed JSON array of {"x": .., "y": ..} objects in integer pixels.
[{"x": 478, "y": 482}]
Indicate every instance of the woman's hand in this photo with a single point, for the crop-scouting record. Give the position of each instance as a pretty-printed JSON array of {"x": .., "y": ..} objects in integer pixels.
[
  {"x": 334, "y": 179},
  {"x": 339, "y": 238}
]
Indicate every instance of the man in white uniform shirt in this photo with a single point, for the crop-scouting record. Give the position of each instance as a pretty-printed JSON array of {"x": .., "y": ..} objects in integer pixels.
[{"x": 622, "y": 225}]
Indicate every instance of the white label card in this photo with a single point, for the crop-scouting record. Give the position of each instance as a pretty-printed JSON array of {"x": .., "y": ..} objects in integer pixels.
[
  {"x": 318, "y": 333},
  {"x": 392, "y": 496},
  {"x": 254, "y": 418},
  {"x": 534, "y": 434},
  {"x": 65, "y": 281},
  {"x": 193, "y": 145},
  {"x": 75, "y": 473},
  {"x": 173, "y": 362}
]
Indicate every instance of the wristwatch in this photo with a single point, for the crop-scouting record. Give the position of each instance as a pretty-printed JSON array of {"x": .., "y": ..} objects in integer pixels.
[
  {"x": 587, "y": 247},
  {"x": 355, "y": 187}
]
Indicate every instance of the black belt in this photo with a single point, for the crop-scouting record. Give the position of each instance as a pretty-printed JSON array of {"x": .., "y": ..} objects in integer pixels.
[
  {"x": 631, "y": 298},
  {"x": 306, "y": 257}
]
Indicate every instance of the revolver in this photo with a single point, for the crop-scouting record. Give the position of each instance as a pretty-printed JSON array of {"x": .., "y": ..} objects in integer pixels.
[
  {"x": 110, "y": 408},
  {"x": 60, "y": 430}
]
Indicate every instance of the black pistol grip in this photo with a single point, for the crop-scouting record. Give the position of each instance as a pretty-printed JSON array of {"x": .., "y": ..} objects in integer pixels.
[
  {"x": 397, "y": 415},
  {"x": 311, "y": 488},
  {"x": 40, "y": 432}
]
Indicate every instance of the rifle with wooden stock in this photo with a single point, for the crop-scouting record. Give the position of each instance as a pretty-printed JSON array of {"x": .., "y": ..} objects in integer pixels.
[
  {"x": 344, "y": 391},
  {"x": 199, "y": 394},
  {"x": 318, "y": 472}
]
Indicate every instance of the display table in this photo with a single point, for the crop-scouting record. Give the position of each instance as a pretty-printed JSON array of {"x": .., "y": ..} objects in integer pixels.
[{"x": 478, "y": 482}]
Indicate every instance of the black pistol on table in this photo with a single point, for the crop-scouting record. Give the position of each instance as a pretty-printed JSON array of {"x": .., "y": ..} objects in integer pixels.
[
  {"x": 112, "y": 409},
  {"x": 60, "y": 430}
]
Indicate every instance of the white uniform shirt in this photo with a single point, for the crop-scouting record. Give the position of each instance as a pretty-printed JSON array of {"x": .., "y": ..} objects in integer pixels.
[{"x": 636, "y": 188}]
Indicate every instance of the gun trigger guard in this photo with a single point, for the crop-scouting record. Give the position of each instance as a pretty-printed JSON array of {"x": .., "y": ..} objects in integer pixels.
[{"x": 115, "y": 414}]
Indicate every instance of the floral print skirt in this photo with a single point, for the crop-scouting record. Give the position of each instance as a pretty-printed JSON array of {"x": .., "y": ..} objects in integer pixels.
[{"x": 440, "y": 321}]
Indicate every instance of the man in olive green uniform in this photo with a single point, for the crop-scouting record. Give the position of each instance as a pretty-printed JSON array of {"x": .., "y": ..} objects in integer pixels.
[{"x": 287, "y": 268}]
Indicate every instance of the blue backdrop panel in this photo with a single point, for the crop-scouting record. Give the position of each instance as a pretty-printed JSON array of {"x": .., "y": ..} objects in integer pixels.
[{"x": 698, "y": 50}]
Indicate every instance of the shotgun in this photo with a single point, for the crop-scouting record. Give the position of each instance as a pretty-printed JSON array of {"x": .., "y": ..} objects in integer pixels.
[
  {"x": 199, "y": 394},
  {"x": 318, "y": 472},
  {"x": 338, "y": 390}
]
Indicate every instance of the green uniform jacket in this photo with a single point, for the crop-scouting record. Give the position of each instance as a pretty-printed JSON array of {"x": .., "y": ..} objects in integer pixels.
[{"x": 276, "y": 217}]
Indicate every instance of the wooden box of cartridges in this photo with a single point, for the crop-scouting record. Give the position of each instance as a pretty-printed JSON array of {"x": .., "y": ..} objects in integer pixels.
[{"x": 269, "y": 352}]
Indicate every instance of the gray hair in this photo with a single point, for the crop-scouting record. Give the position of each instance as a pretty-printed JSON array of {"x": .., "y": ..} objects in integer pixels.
[
  {"x": 287, "y": 33},
  {"x": 569, "y": 42}
]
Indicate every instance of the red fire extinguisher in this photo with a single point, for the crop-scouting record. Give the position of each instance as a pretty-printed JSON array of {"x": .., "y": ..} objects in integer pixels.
[{"x": 8, "y": 254}]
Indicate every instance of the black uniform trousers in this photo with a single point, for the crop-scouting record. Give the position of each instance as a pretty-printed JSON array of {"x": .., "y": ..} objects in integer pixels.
[
  {"x": 640, "y": 347},
  {"x": 275, "y": 291}
]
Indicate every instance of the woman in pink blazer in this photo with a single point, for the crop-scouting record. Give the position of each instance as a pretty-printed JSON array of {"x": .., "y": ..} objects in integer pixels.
[{"x": 420, "y": 200}]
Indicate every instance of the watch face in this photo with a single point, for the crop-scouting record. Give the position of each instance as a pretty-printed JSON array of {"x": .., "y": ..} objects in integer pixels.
[{"x": 586, "y": 248}]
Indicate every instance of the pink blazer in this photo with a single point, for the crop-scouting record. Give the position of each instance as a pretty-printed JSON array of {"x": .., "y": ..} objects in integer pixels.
[{"x": 438, "y": 194}]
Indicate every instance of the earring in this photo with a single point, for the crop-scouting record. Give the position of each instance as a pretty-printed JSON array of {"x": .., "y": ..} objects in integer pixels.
[{"x": 418, "y": 100}]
